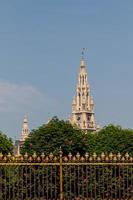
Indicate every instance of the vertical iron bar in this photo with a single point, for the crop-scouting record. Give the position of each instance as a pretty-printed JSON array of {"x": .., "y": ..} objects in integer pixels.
[
  {"x": 103, "y": 180},
  {"x": 61, "y": 189},
  {"x": 26, "y": 174},
  {"x": 119, "y": 182},
  {"x": 51, "y": 182},
  {"x": 55, "y": 196},
  {"x": 123, "y": 182},
  {"x": 91, "y": 182},
  {"x": 30, "y": 182},
  {"x": 95, "y": 189},
  {"x": 66, "y": 181},
  {"x": 115, "y": 184},
  {"x": 111, "y": 186},
  {"x": 86, "y": 180},
  {"x": 78, "y": 183},
  {"x": 43, "y": 182},
  {"x": 127, "y": 183},
  {"x": 82, "y": 182},
  {"x": 1, "y": 182},
  {"x": 47, "y": 188},
  {"x": 70, "y": 182},
  {"x": 74, "y": 182},
  {"x": 13, "y": 184}
]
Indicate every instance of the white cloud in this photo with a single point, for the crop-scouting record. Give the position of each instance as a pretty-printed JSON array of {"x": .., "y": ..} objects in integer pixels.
[{"x": 17, "y": 97}]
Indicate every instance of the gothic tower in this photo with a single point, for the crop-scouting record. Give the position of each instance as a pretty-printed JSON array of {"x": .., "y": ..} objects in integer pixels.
[
  {"x": 83, "y": 105},
  {"x": 25, "y": 130},
  {"x": 24, "y": 134}
]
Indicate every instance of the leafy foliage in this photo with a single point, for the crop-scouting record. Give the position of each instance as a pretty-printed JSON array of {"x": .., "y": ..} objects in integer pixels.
[
  {"x": 111, "y": 139},
  {"x": 48, "y": 138},
  {"x": 6, "y": 145},
  {"x": 57, "y": 133}
]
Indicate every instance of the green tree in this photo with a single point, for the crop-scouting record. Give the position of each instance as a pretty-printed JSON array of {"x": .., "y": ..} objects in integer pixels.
[
  {"x": 57, "y": 133},
  {"x": 6, "y": 145},
  {"x": 111, "y": 139}
]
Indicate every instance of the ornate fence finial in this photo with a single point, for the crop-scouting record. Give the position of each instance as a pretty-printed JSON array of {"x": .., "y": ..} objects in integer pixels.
[
  {"x": 102, "y": 156},
  {"x": 26, "y": 156},
  {"x": 51, "y": 156},
  {"x": 60, "y": 152},
  {"x": 127, "y": 156},
  {"x": 78, "y": 156},
  {"x": 70, "y": 156},
  {"x": 111, "y": 156},
  {"x": 119, "y": 156},
  {"x": 86, "y": 156},
  {"x": 34, "y": 156},
  {"x": 94, "y": 156},
  {"x": 1, "y": 155}
]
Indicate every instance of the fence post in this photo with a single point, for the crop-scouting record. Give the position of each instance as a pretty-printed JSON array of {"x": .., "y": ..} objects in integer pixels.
[{"x": 61, "y": 188}]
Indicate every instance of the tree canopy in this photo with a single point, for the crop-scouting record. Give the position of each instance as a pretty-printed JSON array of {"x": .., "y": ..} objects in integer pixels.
[
  {"x": 6, "y": 145},
  {"x": 111, "y": 139},
  {"x": 58, "y": 133}
]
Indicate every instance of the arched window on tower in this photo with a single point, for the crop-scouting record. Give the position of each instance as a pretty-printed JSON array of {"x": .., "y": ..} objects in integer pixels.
[
  {"x": 79, "y": 99},
  {"x": 84, "y": 124},
  {"x": 83, "y": 80},
  {"x": 80, "y": 80}
]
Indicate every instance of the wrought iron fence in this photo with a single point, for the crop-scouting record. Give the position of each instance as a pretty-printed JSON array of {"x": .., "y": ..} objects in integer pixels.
[{"x": 73, "y": 177}]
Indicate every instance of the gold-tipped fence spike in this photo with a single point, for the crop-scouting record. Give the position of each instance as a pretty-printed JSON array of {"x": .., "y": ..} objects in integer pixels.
[
  {"x": 38, "y": 159},
  {"x": 119, "y": 156},
  {"x": 13, "y": 158},
  {"x": 98, "y": 159},
  {"x": 21, "y": 158},
  {"x": 1, "y": 155},
  {"x": 34, "y": 156},
  {"x": 82, "y": 159},
  {"x": 51, "y": 156},
  {"x": 30, "y": 159},
  {"x": 47, "y": 159},
  {"x": 42, "y": 155},
  {"x": 65, "y": 159},
  {"x": 127, "y": 156},
  {"x": 123, "y": 159},
  {"x": 94, "y": 156},
  {"x": 5, "y": 158},
  {"x": 131, "y": 159},
  {"x": 9, "y": 155},
  {"x": 86, "y": 156},
  {"x": 26, "y": 156},
  {"x": 74, "y": 159},
  {"x": 111, "y": 156},
  {"x": 115, "y": 158},
  {"x": 90, "y": 158},
  {"x": 70, "y": 156},
  {"x": 55, "y": 159},
  {"x": 78, "y": 156},
  {"x": 107, "y": 158},
  {"x": 102, "y": 156}
]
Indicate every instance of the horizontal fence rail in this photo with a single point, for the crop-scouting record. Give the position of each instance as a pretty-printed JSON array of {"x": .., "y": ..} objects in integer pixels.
[{"x": 104, "y": 177}]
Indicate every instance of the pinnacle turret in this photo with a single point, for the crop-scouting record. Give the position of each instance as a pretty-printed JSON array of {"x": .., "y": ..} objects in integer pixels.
[
  {"x": 25, "y": 129},
  {"x": 83, "y": 104}
]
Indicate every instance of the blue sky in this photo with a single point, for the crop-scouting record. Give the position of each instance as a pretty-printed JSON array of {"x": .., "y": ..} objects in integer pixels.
[{"x": 40, "y": 49}]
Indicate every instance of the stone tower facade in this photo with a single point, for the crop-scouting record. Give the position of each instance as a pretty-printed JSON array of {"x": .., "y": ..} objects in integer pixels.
[
  {"x": 24, "y": 134},
  {"x": 83, "y": 104},
  {"x": 25, "y": 130}
]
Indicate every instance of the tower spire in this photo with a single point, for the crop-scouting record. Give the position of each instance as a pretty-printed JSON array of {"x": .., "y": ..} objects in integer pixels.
[
  {"x": 83, "y": 105},
  {"x": 25, "y": 129},
  {"x": 82, "y": 61},
  {"x": 83, "y": 52}
]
